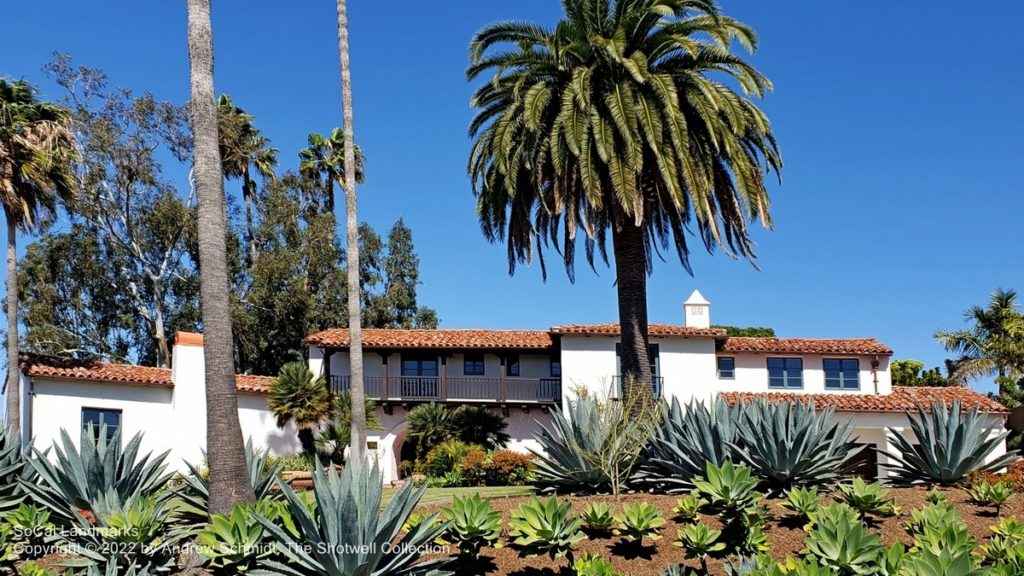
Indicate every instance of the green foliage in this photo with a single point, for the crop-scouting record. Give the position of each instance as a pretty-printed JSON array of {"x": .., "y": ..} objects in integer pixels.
[
  {"x": 417, "y": 518},
  {"x": 8, "y": 552},
  {"x": 840, "y": 541},
  {"x": 1006, "y": 546},
  {"x": 990, "y": 494},
  {"x": 546, "y": 527},
  {"x": 30, "y": 527},
  {"x": 751, "y": 331},
  {"x": 448, "y": 456},
  {"x": 337, "y": 435},
  {"x": 991, "y": 346},
  {"x": 868, "y": 498},
  {"x": 789, "y": 444},
  {"x": 593, "y": 565},
  {"x": 356, "y": 534},
  {"x": 699, "y": 541},
  {"x": 936, "y": 496},
  {"x": 638, "y": 521},
  {"x": 298, "y": 397},
  {"x": 932, "y": 518},
  {"x": 15, "y": 470},
  {"x": 480, "y": 426},
  {"x": 429, "y": 425},
  {"x": 940, "y": 563},
  {"x": 100, "y": 478},
  {"x": 688, "y": 507},
  {"x": 728, "y": 488},
  {"x": 194, "y": 490},
  {"x": 472, "y": 524},
  {"x": 912, "y": 373},
  {"x": 394, "y": 304},
  {"x": 688, "y": 438},
  {"x": 233, "y": 543},
  {"x": 597, "y": 518},
  {"x": 949, "y": 443},
  {"x": 803, "y": 502}
]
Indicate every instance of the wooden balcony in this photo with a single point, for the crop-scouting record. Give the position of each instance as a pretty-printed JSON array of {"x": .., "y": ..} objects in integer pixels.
[{"x": 466, "y": 389}]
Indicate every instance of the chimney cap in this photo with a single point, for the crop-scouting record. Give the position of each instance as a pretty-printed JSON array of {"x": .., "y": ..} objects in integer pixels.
[
  {"x": 188, "y": 339},
  {"x": 696, "y": 298}
]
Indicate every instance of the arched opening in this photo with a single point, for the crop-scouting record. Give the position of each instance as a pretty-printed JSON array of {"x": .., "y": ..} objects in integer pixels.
[{"x": 405, "y": 455}]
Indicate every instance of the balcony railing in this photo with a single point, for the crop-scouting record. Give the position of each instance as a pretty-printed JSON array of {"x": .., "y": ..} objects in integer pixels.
[
  {"x": 657, "y": 386},
  {"x": 455, "y": 388}
]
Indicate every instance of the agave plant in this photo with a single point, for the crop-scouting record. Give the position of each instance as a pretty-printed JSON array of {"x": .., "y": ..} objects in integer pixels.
[
  {"x": 698, "y": 540},
  {"x": 688, "y": 438},
  {"x": 688, "y": 507},
  {"x": 933, "y": 517},
  {"x": 803, "y": 503},
  {"x": 235, "y": 543},
  {"x": 472, "y": 524},
  {"x": 544, "y": 528},
  {"x": 638, "y": 521},
  {"x": 949, "y": 444},
  {"x": 728, "y": 488},
  {"x": 100, "y": 478},
  {"x": 15, "y": 471},
  {"x": 840, "y": 541},
  {"x": 194, "y": 491},
  {"x": 1006, "y": 546},
  {"x": 788, "y": 444},
  {"x": 597, "y": 518},
  {"x": 993, "y": 494},
  {"x": 594, "y": 565},
  {"x": 349, "y": 533},
  {"x": 570, "y": 459},
  {"x": 31, "y": 528},
  {"x": 929, "y": 563},
  {"x": 868, "y": 498}
]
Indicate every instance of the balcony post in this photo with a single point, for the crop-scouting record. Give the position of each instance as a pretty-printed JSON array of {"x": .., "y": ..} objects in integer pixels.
[
  {"x": 503, "y": 388},
  {"x": 444, "y": 378},
  {"x": 384, "y": 376}
]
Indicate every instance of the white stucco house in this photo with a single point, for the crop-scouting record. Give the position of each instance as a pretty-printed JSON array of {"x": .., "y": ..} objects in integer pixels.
[{"x": 523, "y": 374}]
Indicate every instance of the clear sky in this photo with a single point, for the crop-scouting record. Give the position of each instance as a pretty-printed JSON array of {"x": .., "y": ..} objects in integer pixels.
[{"x": 899, "y": 123}]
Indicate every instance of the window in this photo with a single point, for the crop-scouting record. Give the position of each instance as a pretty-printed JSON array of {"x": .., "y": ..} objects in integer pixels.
[
  {"x": 556, "y": 367},
  {"x": 473, "y": 365},
  {"x": 419, "y": 366},
  {"x": 512, "y": 365},
  {"x": 785, "y": 373},
  {"x": 842, "y": 374},
  {"x": 726, "y": 368},
  {"x": 653, "y": 356},
  {"x": 97, "y": 417}
]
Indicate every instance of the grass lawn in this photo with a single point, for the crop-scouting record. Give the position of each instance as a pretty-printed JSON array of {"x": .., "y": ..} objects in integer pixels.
[{"x": 443, "y": 496}]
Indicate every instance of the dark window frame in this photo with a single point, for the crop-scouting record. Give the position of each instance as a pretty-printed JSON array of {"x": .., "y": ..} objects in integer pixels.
[
  {"x": 420, "y": 361},
  {"x": 789, "y": 364},
  {"x": 513, "y": 365},
  {"x": 841, "y": 378},
  {"x": 653, "y": 356},
  {"x": 555, "y": 361},
  {"x": 100, "y": 412},
  {"x": 474, "y": 364},
  {"x": 726, "y": 373}
]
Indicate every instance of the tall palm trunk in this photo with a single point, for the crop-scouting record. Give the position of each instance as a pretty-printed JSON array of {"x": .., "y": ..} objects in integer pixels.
[
  {"x": 229, "y": 478},
  {"x": 631, "y": 273},
  {"x": 247, "y": 196},
  {"x": 13, "y": 376},
  {"x": 358, "y": 441}
]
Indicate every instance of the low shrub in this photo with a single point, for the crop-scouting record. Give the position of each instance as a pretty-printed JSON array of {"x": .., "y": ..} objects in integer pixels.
[
  {"x": 293, "y": 463},
  {"x": 639, "y": 521},
  {"x": 448, "y": 456},
  {"x": 598, "y": 518},
  {"x": 538, "y": 528},
  {"x": 508, "y": 468},
  {"x": 472, "y": 524}
]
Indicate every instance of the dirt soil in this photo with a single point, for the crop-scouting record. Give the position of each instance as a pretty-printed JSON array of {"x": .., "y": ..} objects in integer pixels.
[{"x": 649, "y": 559}]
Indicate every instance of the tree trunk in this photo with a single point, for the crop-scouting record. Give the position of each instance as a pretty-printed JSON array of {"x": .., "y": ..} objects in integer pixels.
[
  {"x": 13, "y": 375},
  {"x": 159, "y": 331},
  {"x": 229, "y": 477},
  {"x": 358, "y": 439},
  {"x": 631, "y": 282},
  {"x": 307, "y": 441},
  {"x": 247, "y": 195}
]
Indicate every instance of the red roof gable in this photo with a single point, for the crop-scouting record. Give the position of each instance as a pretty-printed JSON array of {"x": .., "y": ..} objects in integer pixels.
[
  {"x": 805, "y": 345},
  {"x": 423, "y": 338},
  {"x": 612, "y": 329},
  {"x": 902, "y": 399}
]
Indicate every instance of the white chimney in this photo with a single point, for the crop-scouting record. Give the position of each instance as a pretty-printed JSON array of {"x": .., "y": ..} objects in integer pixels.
[
  {"x": 188, "y": 370},
  {"x": 697, "y": 311}
]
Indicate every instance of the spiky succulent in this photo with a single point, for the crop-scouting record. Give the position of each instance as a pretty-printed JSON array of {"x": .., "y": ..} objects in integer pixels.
[
  {"x": 803, "y": 503},
  {"x": 688, "y": 507},
  {"x": 194, "y": 491},
  {"x": 839, "y": 540},
  {"x": 699, "y": 540},
  {"x": 571, "y": 450},
  {"x": 688, "y": 438},
  {"x": 868, "y": 498},
  {"x": 472, "y": 524},
  {"x": 949, "y": 443},
  {"x": 235, "y": 543},
  {"x": 544, "y": 527},
  {"x": 728, "y": 488},
  {"x": 993, "y": 494},
  {"x": 598, "y": 518},
  {"x": 15, "y": 471},
  {"x": 788, "y": 444},
  {"x": 349, "y": 532},
  {"x": 593, "y": 565},
  {"x": 638, "y": 521}
]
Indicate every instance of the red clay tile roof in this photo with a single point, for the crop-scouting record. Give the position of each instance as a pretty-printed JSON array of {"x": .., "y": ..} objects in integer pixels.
[
  {"x": 44, "y": 366},
  {"x": 422, "y": 338},
  {"x": 805, "y": 345},
  {"x": 612, "y": 329},
  {"x": 902, "y": 399}
]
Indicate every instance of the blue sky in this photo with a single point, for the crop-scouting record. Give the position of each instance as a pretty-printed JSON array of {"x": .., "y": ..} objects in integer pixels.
[{"x": 899, "y": 124}]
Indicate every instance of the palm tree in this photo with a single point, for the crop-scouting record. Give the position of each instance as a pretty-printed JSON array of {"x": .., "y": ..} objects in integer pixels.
[
  {"x": 618, "y": 119},
  {"x": 296, "y": 396},
  {"x": 429, "y": 425},
  {"x": 993, "y": 345},
  {"x": 242, "y": 149},
  {"x": 355, "y": 356},
  {"x": 37, "y": 154},
  {"x": 323, "y": 161},
  {"x": 338, "y": 433},
  {"x": 229, "y": 476},
  {"x": 481, "y": 426}
]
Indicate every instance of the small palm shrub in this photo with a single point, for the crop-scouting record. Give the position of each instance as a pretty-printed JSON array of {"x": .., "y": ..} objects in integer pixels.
[
  {"x": 480, "y": 426},
  {"x": 840, "y": 541},
  {"x": 101, "y": 477},
  {"x": 949, "y": 443},
  {"x": 985, "y": 493},
  {"x": 472, "y": 524},
  {"x": 699, "y": 541},
  {"x": 598, "y": 518},
  {"x": 868, "y": 498},
  {"x": 194, "y": 491},
  {"x": 539, "y": 528},
  {"x": 728, "y": 488},
  {"x": 594, "y": 565},
  {"x": 336, "y": 436},
  {"x": 803, "y": 503},
  {"x": 687, "y": 439},
  {"x": 429, "y": 425},
  {"x": 788, "y": 444},
  {"x": 30, "y": 528},
  {"x": 639, "y": 521},
  {"x": 299, "y": 397},
  {"x": 374, "y": 544},
  {"x": 688, "y": 507}
]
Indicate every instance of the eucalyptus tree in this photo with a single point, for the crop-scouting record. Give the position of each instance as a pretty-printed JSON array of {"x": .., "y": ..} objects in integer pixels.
[
  {"x": 229, "y": 476},
  {"x": 37, "y": 155},
  {"x": 629, "y": 116},
  {"x": 323, "y": 161},
  {"x": 992, "y": 346},
  {"x": 244, "y": 149}
]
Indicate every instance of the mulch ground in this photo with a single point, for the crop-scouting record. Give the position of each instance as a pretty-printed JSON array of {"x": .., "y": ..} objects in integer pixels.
[{"x": 653, "y": 557}]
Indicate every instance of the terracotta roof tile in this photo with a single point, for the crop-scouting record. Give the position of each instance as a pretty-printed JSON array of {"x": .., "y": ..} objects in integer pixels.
[
  {"x": 612, "y": 329},
  {"x": 902, "y": 399},
  {"x": 253, "y": 383},
  {"x": 805, "y": 345},
  {"x": 422, "y": 338}
]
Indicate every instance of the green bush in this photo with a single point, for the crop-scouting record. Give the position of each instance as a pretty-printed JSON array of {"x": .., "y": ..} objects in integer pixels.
[
  {"x": 639, "y": 521},
  {"x": 598, "y": 518},
  {"x": 472, "y": 524},
  {"x": 538, "y": 528},
  {"x": 448, "y": 456}
]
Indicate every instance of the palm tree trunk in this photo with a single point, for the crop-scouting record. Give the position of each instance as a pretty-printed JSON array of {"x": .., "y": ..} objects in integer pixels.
[
  {"x": 247, "y": 194},
  {"x": 358, "y": 439},
  {"x": 229, "y": 478},
  {"x": 13, "y": 376},
  {"x": 631, "y": 283}
]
